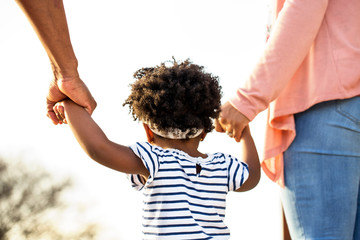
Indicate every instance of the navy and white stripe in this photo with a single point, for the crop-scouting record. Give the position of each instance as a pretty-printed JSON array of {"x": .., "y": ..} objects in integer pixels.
[{"x": 180, "y": 204}]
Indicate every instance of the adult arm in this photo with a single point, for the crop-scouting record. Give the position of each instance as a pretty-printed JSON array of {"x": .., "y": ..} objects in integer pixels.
[
  {"x": 95, "y": 143},
  {"x": 49, "y": 22},
  {"x": 293, "y": 35}
]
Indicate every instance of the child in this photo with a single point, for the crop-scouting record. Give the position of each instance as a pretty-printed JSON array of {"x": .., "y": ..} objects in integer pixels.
[{"x": 184, "y": 189}]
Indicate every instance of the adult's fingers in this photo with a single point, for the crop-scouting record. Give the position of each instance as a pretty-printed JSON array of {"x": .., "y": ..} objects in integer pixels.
[
  {"x": 223, "y": 126},
  {"x": 77, "y": 91},
  {"x": 50, "y": 112},
  {"x": 238, "y": 132},
  {"x": 218, "y": 126},
  {"x": 54, "y": 95},
  {"x": 232, "y": 121},
  {"x": 53, "y": 117}
]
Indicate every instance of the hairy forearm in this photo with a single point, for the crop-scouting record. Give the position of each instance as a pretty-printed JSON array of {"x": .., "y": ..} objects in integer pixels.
[{"x": 49, "y": 22}]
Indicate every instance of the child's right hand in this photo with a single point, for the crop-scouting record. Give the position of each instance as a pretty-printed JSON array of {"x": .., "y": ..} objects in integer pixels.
[{"x": 59, "y": 110}]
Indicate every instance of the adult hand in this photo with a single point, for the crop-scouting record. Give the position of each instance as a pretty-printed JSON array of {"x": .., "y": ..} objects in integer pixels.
[
  {"x": 231, "y": 121},
  {"x": 73, "y": 88}
]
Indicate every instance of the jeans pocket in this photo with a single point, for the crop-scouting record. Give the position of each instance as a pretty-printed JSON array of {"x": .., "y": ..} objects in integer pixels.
[{"x": 350, "y": 108}]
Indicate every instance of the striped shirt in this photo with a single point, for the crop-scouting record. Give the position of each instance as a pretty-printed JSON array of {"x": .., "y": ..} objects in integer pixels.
[{"x": 181, "y": 203}]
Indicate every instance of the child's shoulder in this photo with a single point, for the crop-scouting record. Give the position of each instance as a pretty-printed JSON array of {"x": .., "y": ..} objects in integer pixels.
[{"x": 146, "y": 149}]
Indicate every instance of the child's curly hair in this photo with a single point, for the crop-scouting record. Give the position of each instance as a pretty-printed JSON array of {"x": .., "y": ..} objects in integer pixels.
[{"x": 180, "y": 96}]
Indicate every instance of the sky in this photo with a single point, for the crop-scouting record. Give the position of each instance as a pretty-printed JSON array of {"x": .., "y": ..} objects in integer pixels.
[{"x": 112, "y": 39}]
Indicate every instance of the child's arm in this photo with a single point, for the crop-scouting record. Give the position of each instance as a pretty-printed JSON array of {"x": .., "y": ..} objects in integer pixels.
[
  {"x": 251, "y": 158},
  {"x": 95, "y": 143}
]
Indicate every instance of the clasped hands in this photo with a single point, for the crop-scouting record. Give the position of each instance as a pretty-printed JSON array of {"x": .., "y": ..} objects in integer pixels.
[
  {"x": 231, "y": 121},
  {"x": 68, "y": 88}
]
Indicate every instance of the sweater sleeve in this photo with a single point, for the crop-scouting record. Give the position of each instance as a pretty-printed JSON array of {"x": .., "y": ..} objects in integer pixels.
[{"x": 294, "y": 32}]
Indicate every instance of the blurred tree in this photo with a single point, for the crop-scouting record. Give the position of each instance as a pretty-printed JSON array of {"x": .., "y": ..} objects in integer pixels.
[{"x": 30, "y": 201}]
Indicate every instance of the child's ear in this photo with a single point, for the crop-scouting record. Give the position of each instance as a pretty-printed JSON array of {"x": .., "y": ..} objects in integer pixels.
[
  {"x": 202, "y": 136},
  {"x": 149, "y": 133}
]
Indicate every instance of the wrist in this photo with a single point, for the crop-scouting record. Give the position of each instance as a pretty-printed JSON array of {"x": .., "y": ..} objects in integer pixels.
[
  {"x": 243, "y": 109},
  {"x": 63, "y": 71},
  {"x": 68, "y": 105}
]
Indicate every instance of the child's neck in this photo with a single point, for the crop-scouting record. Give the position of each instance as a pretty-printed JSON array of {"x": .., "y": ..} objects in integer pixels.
[{"x": 189, "y": 146}]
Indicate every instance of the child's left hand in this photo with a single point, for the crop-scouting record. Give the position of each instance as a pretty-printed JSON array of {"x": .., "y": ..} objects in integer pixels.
[{"x": 60, "y": 112}]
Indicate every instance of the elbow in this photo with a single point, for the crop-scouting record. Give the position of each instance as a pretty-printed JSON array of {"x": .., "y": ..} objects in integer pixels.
[
  {"x": 256, "y": 178},
  {"x": 253, "y": 181},
  {"x": 93, "y": 154}
]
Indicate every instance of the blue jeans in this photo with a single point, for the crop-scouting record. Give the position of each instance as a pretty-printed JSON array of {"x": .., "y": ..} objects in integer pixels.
[{"x": 322, "y": 173}]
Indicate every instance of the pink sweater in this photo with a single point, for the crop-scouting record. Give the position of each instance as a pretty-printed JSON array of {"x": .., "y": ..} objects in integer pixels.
[{"x": 312, "y": 55}]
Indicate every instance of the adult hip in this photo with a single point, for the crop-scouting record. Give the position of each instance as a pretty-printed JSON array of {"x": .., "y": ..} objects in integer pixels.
[{"x": 322, "y": 172}]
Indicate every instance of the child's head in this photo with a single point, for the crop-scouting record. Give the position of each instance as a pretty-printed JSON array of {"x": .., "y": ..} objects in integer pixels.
[{"x": 181, "y": 97}]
